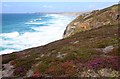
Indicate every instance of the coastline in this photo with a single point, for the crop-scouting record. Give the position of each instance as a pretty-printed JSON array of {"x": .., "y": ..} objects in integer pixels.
[
  {"x": 89, "y": 50},
  {"x": 57, "y": 32}
]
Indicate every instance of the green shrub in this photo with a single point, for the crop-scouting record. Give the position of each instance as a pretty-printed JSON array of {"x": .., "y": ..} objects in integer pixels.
[
  {"x": 70, "y": 56},
  {"x": 86, "y": 54},
  {"x": 42, "y": 67},
  {"x": 26, "y": 63}
]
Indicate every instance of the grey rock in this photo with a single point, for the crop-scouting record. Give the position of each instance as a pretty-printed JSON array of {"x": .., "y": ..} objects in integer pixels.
[
  {"x": 8, "y": 72},
  {"x": 75, "y": 42},
  {"x": 108, "y": 73},
  {"x": 60, "y": 55},
  {"x": 89, "y": 73},
  {"x": 29, "y": 73},
  {"x": 108, "y": 49}
]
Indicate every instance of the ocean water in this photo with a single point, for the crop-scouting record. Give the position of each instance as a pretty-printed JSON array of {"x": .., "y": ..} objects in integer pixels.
[{"x": 22, "y": 31}]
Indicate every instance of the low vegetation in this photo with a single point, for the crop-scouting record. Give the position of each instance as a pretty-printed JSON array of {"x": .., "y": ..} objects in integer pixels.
[{"x": 80, "y": 55}]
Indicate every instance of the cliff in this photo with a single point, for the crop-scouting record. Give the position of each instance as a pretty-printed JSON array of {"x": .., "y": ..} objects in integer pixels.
[
  {"x": 95, "y": 19},
  {"x": 90, "y": 50}
]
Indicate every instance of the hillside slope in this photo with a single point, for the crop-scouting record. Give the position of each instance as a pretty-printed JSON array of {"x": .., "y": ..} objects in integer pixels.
[
  {"x": 95, "y": 19},
  {"x": 91, "y": 53}
]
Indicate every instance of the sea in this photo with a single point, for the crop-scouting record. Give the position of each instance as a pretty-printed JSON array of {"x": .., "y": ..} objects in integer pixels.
[{"x": 23, "y": 31}]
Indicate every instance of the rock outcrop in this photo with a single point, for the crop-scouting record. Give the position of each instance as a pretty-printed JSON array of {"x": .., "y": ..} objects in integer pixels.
[{"x": 95, "y": 19}]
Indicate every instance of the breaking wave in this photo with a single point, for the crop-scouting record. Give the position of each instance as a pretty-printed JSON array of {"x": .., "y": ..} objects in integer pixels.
[{"x": 16, "y": 41}]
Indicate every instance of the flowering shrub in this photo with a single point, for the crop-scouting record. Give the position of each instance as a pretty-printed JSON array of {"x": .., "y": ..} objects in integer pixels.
[
  {"x": 54, "y": 70},
  {"x": 62, "y": 69},
  {"x": 21, "y": 66},
  {"x": 68, "y": 67},
  {"x": 103, "y": 62},
  {"x": 20, "y": 71},
  {"x": 80, "y": 66},
  {"x": 37, "y": 74}
]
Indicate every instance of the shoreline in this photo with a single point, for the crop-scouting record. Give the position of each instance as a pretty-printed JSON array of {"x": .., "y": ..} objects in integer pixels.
[{"x": 60, "y": 28}]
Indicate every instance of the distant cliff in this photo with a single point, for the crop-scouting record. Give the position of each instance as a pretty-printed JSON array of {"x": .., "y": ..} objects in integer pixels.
[{"x": 95, "y": 19}]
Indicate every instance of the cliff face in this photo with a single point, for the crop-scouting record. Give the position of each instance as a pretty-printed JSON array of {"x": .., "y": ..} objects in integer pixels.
[
  {"x": 91, "y": 50},
  {"x": 95, "y": 19}
]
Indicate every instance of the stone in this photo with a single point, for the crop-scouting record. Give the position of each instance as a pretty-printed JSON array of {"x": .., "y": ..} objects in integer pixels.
[
  {"x": 60, "y": 55},
  {"x": 73, "y": 27},
  {"x": 89, "y": 73},
  {"x": 42, "y": 55},
  {"x": 75, "y": 42},
  {"x": 75, "y": 23},
  {"x": 37, "y": 58},
  {"x": 108, "y": 73},
  {"x": 29, "y": 73},
  {"x": 108, "y": 49},
  {"x": 8, "y": 71}
]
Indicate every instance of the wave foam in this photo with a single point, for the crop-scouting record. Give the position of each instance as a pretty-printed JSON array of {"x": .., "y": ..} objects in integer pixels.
[
  {"x": 37, "y": 19},
  {"x": 10, "y": 35},
  {"x": 35, "y": 23},
  {"x": 42, "y": 36}
]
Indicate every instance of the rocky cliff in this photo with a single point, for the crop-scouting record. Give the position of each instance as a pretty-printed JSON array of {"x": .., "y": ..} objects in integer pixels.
[
  {"x": 91, "y": 49},
  {"x": 95, "y": 19}
]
